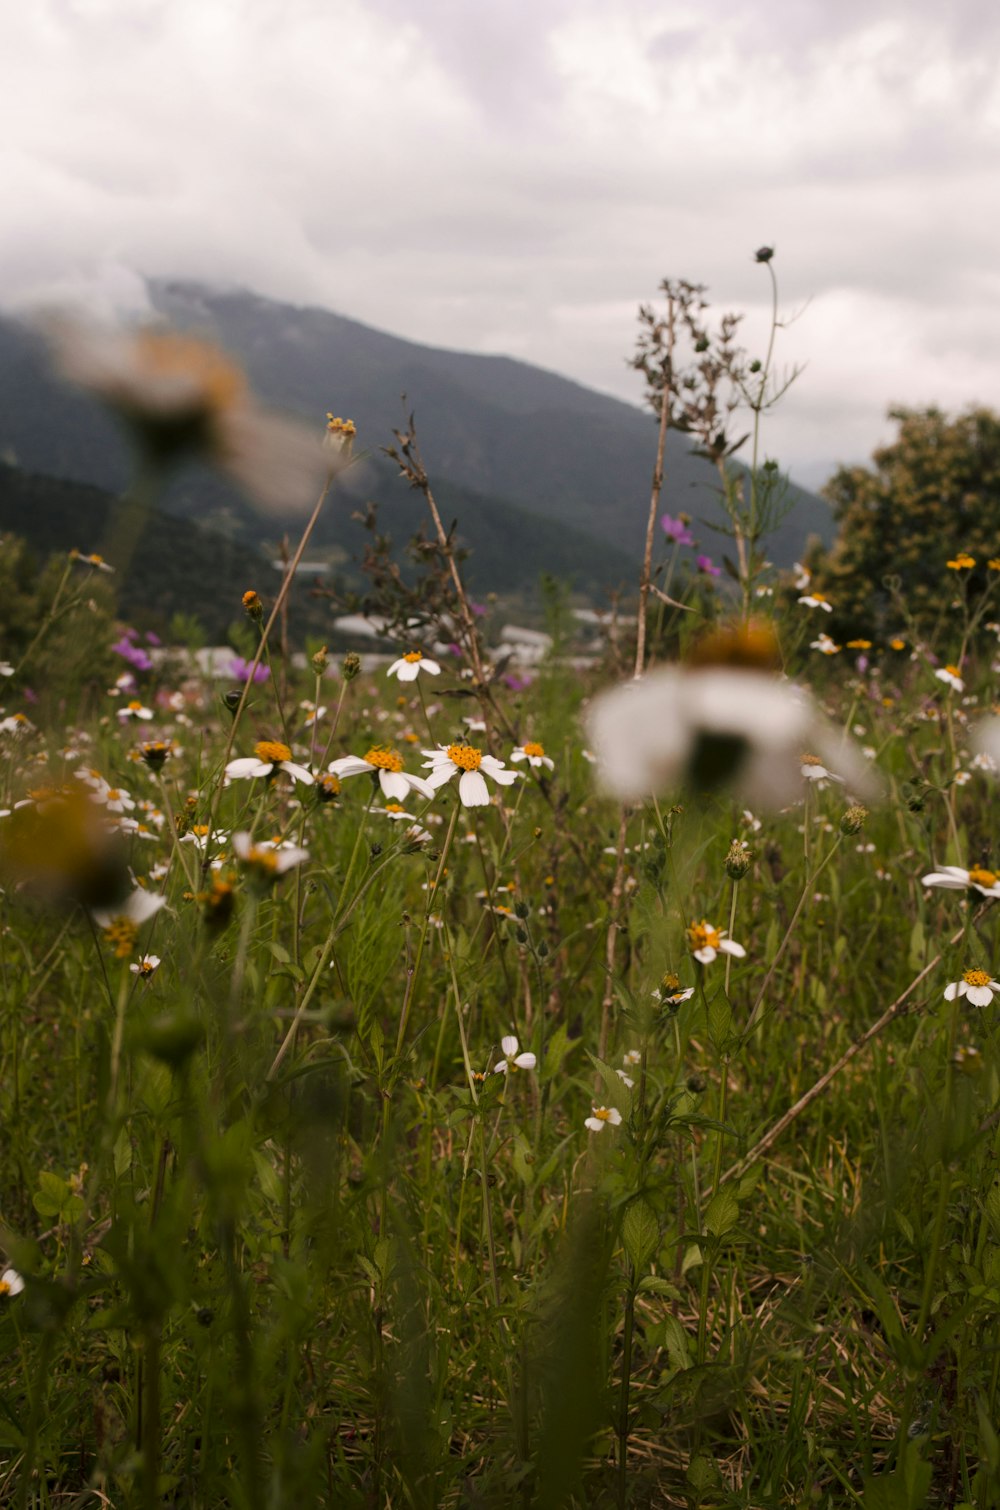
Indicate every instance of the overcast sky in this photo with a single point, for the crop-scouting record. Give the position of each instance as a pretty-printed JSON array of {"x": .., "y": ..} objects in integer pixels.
[{"x": 516, "y": 177}]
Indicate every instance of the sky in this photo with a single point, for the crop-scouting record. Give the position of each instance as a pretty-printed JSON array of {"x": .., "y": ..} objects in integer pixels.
[{"x": 518, "y": 177}]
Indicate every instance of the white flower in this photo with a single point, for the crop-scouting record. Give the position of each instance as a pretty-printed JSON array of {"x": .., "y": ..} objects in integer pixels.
[
  {"x": 631, "y": 1057},
  {"x": 512, "y": 1060},
  {"x": 146, "y": 966},
  {"x": 710, "y": 726},
  {"x": 813, "y": 769},
  {"x": 954, "y": 878},
  {"x": 669, "y": 992},
  {"x": 396, "y": 783},
  {"x": 181, "y": 396},
  {"x": 11, "y": 1282},
  {"x": 120, "y": 924},
  {"x": 626, "y": 1080},
  {"x": 114, "y": 798},
  {"x": 312, "y": 713},
  {"x": 986, "y": 740},
  {"x": 410, "y": 665},
  {"x": 270, "y": 756},
  {"x": 472, "y": 789},
  {"x": 534, "y": 754},
  {"x": 802, "y": 578},
  {"x": 825, "y": 644},
  {"x": 707, "y": 943},
  {"x": 951, "y": 676},
  {"x": 134, "y": 709},
  {"x": 6, "y": 669},
  {"x": 272, "y": 856},
  {"x": 817, "y": 600},
  {"x": 976, "y": 985},
  {"x": 601, "y": 1115},
  {"x": 16, "y": 723}
]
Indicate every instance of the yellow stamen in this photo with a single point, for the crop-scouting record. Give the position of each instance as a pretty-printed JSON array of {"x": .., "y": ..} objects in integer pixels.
[
  {"x": 810, "y": 760},
  {"x": 384, "y": 759},
  {"x": 120, "y": 936},
  {"x": 980, "y": 877},
  {"x": 601, "y": 1113},
  {"x": 272, "y": 750},
  {"x": 466, "y": 757},
  {"x": 413, "y": 656},
  {"x": 703, "y": 936},
  {"x": 976, "y": 977},
  {"x": 532, "y": 748}
]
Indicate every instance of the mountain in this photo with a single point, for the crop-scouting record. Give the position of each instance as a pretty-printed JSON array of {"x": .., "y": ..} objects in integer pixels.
[{"x": 560, "y": 473}]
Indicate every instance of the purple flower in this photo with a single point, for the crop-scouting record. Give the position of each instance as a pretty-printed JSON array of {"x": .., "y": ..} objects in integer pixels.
[
  {"x": 676, "y": 530},
  {"x": 153, "y": 639},
  {"x": 29, "y": 695},
  {"x": 454, "y": 649},
  {"x": 705, "y": 565},
  {"x": 516, "y": 683},
  {"x": 136, "y": 658},
  {"x": 239, "y": 670}
]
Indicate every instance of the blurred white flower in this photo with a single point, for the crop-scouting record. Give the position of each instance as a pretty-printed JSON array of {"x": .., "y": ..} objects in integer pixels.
[
  {"x": 602, "y": 1116},
  {"x": 951, "y": 676},
  {"x": 707, "y": 943},
  {"x": 954, "y": 878},
  {"x": 410, "y": 665},
  {"x": 512, "y": 1060},
  {"x": 11, "y": 1282}
]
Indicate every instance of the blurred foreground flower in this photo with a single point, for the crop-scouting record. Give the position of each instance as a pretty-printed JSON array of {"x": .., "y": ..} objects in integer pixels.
[
  {"x": 954, "y": 878},
  {"x": 59, "y": 849},
  {"x": 181, "y": 397},
  {"x": 715, "y": 724}
]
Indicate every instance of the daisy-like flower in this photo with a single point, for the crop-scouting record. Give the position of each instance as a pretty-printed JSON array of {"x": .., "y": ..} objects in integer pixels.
[
  {"x": 114, "y": 798},
  {"x": 268, "y": 857},
  {"x": 677, "y": 529},
  {"x": 813, "y": 769},
  {"x": 625, "y": 1079},
  {"x": 121, "y": 924},
  {"x": 146, "y": 966},
  {"x": 134, "y": 709},
  {"x": 474, "y": 766},
  {"x": 951, "y": 676},
  {"x": 962, "y": 562},
  {"x": 713, "y": 725},
  {"x": 387, "y": 764},
  {"x": 310, "y": 713},
  {"x": 817, "y": 600},
  {"x": 6, "y": 669},
  {"x": 954, "y": 878},
  {"x": 534, "y": 754},
  {"x": 601, "y": 1117},
  {"x": 181, "y": 397},
  {"x": 669, "y": 993},
  {"x": 270, "y": 756},
  {"x": 11, "y": 1283},
  {"x": 825, "y": 645},
  {"x": 512, "y": 1060},
  {"x": 707, "y": 943},
  {"x": 802, "y": 578},
  {"x": 93, "y": 559},
  {"x": 976, "y": 985},
  {"x": 631, "y": 1057},
  {"x": 410, "y": 665}
]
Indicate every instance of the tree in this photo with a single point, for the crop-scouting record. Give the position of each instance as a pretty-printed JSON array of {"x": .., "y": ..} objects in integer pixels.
[{"x": 932, "y": 494}]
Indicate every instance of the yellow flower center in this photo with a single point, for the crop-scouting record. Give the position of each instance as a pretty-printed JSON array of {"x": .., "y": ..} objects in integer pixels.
[
  {"x": 980, "y": 877},
  {"x": 272, "y": 750},
  {"x": 962, "y": 562},
  {"x": 532, "y": 748},
  {"x": 199, "y": 830},
  {"x": 134, "y": 705},
  {"x": 859, "y": 644},
  {"x": 466, "y": 757},
  {"x": 810, "y": 760},
  {"x": 976, "y": 977},
  {"x": 4, "y": 1287},
  {"x": 384, "y": 759},
  {"x": 703, "y": 936},
  {"x": 251, "y": 600},
  {"x": 897, "y": 644},
  {"x": 328, "y": 786},
  {"x": 670, "y": 983},
  {"x": 819, "y": 597},
  {"x": 413, "y": 656},
  {"x": 120, "y": 936},
  {"x": 394, "y": 807},
  {"x": 601, "y": 1113},
  {"x": 221, "y": 384},
  {"x": 994, "y": 563},
  {"x": 146, "y": 967}
]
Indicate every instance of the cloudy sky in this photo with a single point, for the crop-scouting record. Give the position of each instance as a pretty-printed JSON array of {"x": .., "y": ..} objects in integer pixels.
[{"x": 516, "y": 177}]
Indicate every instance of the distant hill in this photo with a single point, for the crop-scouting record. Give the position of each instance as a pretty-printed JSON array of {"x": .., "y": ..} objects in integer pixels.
[{"x": 528, "y": 443}]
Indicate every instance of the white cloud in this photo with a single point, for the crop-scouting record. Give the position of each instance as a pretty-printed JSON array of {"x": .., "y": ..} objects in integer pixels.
[{"x": 517, "y": 178}]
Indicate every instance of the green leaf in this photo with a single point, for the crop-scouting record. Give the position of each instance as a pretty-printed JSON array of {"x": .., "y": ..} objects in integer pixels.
[
  {"x": 723, "y": 1212},
  {"x": 720, "y": 1020},
  {"x": 640, "y": 1233},
  {"x": 905, "y": 1488}
]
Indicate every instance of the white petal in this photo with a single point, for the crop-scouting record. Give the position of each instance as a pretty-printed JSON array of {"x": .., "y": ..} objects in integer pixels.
[
  {"x": 525, "y": 1061},
  {"x": 394, "y": 784},
  {"x": 440, "y": 776},
  {"x": 297, "y": 772},
  {"x": 729, "y": 946},
  {"x": 980, "y": 996},
  {"x": 950, "y": 877},
  {"x": 287, "y": 858},
  {"x": 408, "y": 670},
  {"x": 595, "y": 1124},
  {"x": 509, "y": 1045},
  {"x": 501, "y": 1067},
  {"x": 248, "y": 765},
  {"x": 243, "y": 845},
  {"x": 472, "y": 790},
  {"x": 706, "y": 955},
  {"x": 953, "y": 989},
  {"x": 430, "y": 666},
  {"x": 419, "y": 784},
  {"x": 349, "y": 765}
]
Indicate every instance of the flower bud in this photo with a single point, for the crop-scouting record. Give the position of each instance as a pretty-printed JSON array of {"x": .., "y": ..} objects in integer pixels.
[
  {"x": 521, "y": 909},
  {"x": 738, "y": 860},
  {"x": 252, "y": 605},
  {"x": 350, "y": 666},
  {"x": 320, "y": 660},
  {"x": 853, "y": 821},
  {"x": 763, "y": 254}
]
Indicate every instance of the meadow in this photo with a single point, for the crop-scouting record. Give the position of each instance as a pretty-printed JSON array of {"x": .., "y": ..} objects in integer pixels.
[{"x": 439, "y": 1085}]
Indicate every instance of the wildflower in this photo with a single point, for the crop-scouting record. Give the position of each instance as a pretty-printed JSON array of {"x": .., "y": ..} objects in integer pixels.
[
  {"x": 134, "y": 709},
  {"x": 954, "y": 878},
  {"x": 817, "y": 600},
  {"x": 93, "y": 559},
  {"x": 825, "y": 645},
  {"x": 340, "y": 434},
  {"x": 387, "y": 763},
  {"x": 154, "y": 753},
  {"x": 710, "y": 726},
  {"x": 11, "y": 1283},
  {"x": 311, "y": 712},
  {"x": 472, "y": 789},
  {"x": 327, "y": 788},
  {"x": 601, "y": 1115},
  {"x": 410, "y": 665},
  {"x": 625, "y": 1079},
  {"x": 252, "y": 605},
  {"x": 707, "y": 567},
  {"x": 962, "y": 562},
  {"x": 134, "y": 654},
  {"x": 239, "y": 670},
  {"x": 146, "y": 965},
  {"x": 707, "y": 943},
  {"x": 802, "y": 577},
  {"x": 677, "y": 529},
  {"x": 994, "y": 563},
  {"x": 739, "y": 858},
  {"x": 976, "y": 985},
  {"x": 350, "y": 666},
  {"x": 6, "y": 669},
  {"x": 114, "y": 798},
  {"x": 631, "y": 1057},
  {"x": 859, "y": 644},
  {"x": 268, "y": 858},
  {"x": 813, "y": 769},
  {"x": 534, "y": 754},
  {"x": 121, "y": 924},
  {"x": 270, "y": 756},
  {"x": 669, "y": 992},
  {"x": 853, "y": 821},
  {"x": 951, "y": 676},
  {"x": 16, "y": 723},
  {"x": 897, "y": 644},
  {"x": 217, "y": 902},
  {"x": 181, "y": 397},
  {"x": 512, "y": 1060}
]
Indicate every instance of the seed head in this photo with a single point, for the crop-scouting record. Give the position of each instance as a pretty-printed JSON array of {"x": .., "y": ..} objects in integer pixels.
[{"x": 853, "y": 821}]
